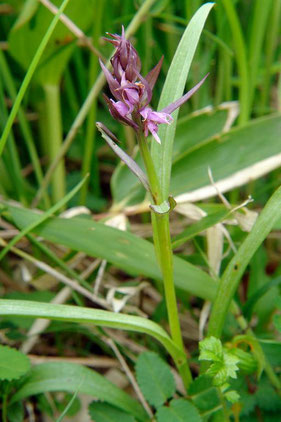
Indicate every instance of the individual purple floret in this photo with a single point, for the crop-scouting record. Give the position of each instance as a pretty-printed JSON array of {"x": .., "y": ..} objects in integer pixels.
[{"x": 133, "y": 92}]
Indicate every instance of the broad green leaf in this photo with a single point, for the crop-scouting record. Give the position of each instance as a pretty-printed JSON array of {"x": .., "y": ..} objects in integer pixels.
[
  {"x": 63, "y": 376},
  {"x": 87, "y": 315},
  {"x": 29, "y": 32},
  {"x": 179, "y": 410},
  {"x": 190, "y": 168},
  {"x": 103, "y": 412},
  {"x": 228, "y": 154},
  {"x": 13, "y": 364},
  {"x": 123, "y": 249},
  {"x": 192, "y": 131},
  {"x": 172, "y": 90},
  {"x": 43, "y": 217},
  {"x": 154, "y": 378}
]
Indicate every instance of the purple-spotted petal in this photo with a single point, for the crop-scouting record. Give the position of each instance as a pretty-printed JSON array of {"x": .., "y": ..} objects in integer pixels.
[{"x": 178, "y": 103}]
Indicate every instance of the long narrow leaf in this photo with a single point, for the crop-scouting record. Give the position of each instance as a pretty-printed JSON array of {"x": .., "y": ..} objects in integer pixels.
[
  {"x": 172, "y": 90},
  {"x": 235, "y": 269},
  {"x": 29, "y": 75},
  {"x": 41, "y": 218},
  {"x": 65, "y": 376},
  {"x": 86, "y": 315},
  {"x": 123, "y": 249}
]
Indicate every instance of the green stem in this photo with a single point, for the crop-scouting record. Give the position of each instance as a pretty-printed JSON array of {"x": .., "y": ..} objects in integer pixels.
[
  {"x": 271, "y": 42},
  {"x": 54, "y": 126},
  {"x": 25, "y": 128},
  {"x": 258, "y": 30},
  {"x": 91, "y": 126},
  {"x": 241, "y": 58},
  {"x": 163, "y": 248},
  {"x": 4, "y": 408}
]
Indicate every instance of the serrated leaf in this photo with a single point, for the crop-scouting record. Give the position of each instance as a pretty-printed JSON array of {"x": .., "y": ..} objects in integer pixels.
[
  {"x": 13, "y": 364},
  {"x": 211, "y": 349},
  {"x": 179, "y": 411},
  {"x": 231, "y": 362},
  {"x": 154, "y": 378},
  {"x": 232, "y": 396},
  {"x": 63, "y": 376},
  {"x": 103, "y": 412}
]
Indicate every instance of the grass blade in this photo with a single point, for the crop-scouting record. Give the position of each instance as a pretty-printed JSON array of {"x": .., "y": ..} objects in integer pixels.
[
  {"x": 235, "y": 269},
  {"x": 43, "y": 217},
  {"x": 93, "y": 316}
]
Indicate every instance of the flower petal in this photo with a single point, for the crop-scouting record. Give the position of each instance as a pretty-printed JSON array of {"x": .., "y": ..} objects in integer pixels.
[{"x": 173, "y": 106}]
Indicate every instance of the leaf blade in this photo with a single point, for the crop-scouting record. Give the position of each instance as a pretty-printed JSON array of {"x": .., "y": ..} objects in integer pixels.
[{"x": 178, "y": 71}]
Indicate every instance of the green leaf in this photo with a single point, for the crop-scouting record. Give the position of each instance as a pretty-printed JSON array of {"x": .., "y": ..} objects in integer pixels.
[
  {"x": 16, "y": 412},
  {"x": 172, "y": 90},
  {"x": 211, "y": 349},
  {"x": 30, "y": 29},
  {"x": 13, "y": 364},
  {"x": 29, "y": 9},
  {"x": 43, "y": 217},
  {"x": 224, "y": 364},
  {"x": 199, "y": 226},
  {"x": 277, "y": 322},
  {"x": 203, "y": 394},
  {"x": 236, "y": 267},
  {"x": 103, "y": 412},
  {"x": 125, "y": 250},
  {"x": 232, "y": 396},
  {"x": 190, "y": 172},
  {"x": 86, "y": 315},
  {"x": 253, "y": 299},
  {"x": 63, "y": 376},
  {"x": 179, "y": 411},
  {"x": 154, "y": 378},
  {"x": 200, "y": 126}
]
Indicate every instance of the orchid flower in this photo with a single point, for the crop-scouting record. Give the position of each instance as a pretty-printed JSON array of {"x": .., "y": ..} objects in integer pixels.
[{"x": 133, "y": 92}]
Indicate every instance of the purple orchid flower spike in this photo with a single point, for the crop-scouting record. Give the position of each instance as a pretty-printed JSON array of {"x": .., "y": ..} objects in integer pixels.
[{"x": 133, "y": 92}]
